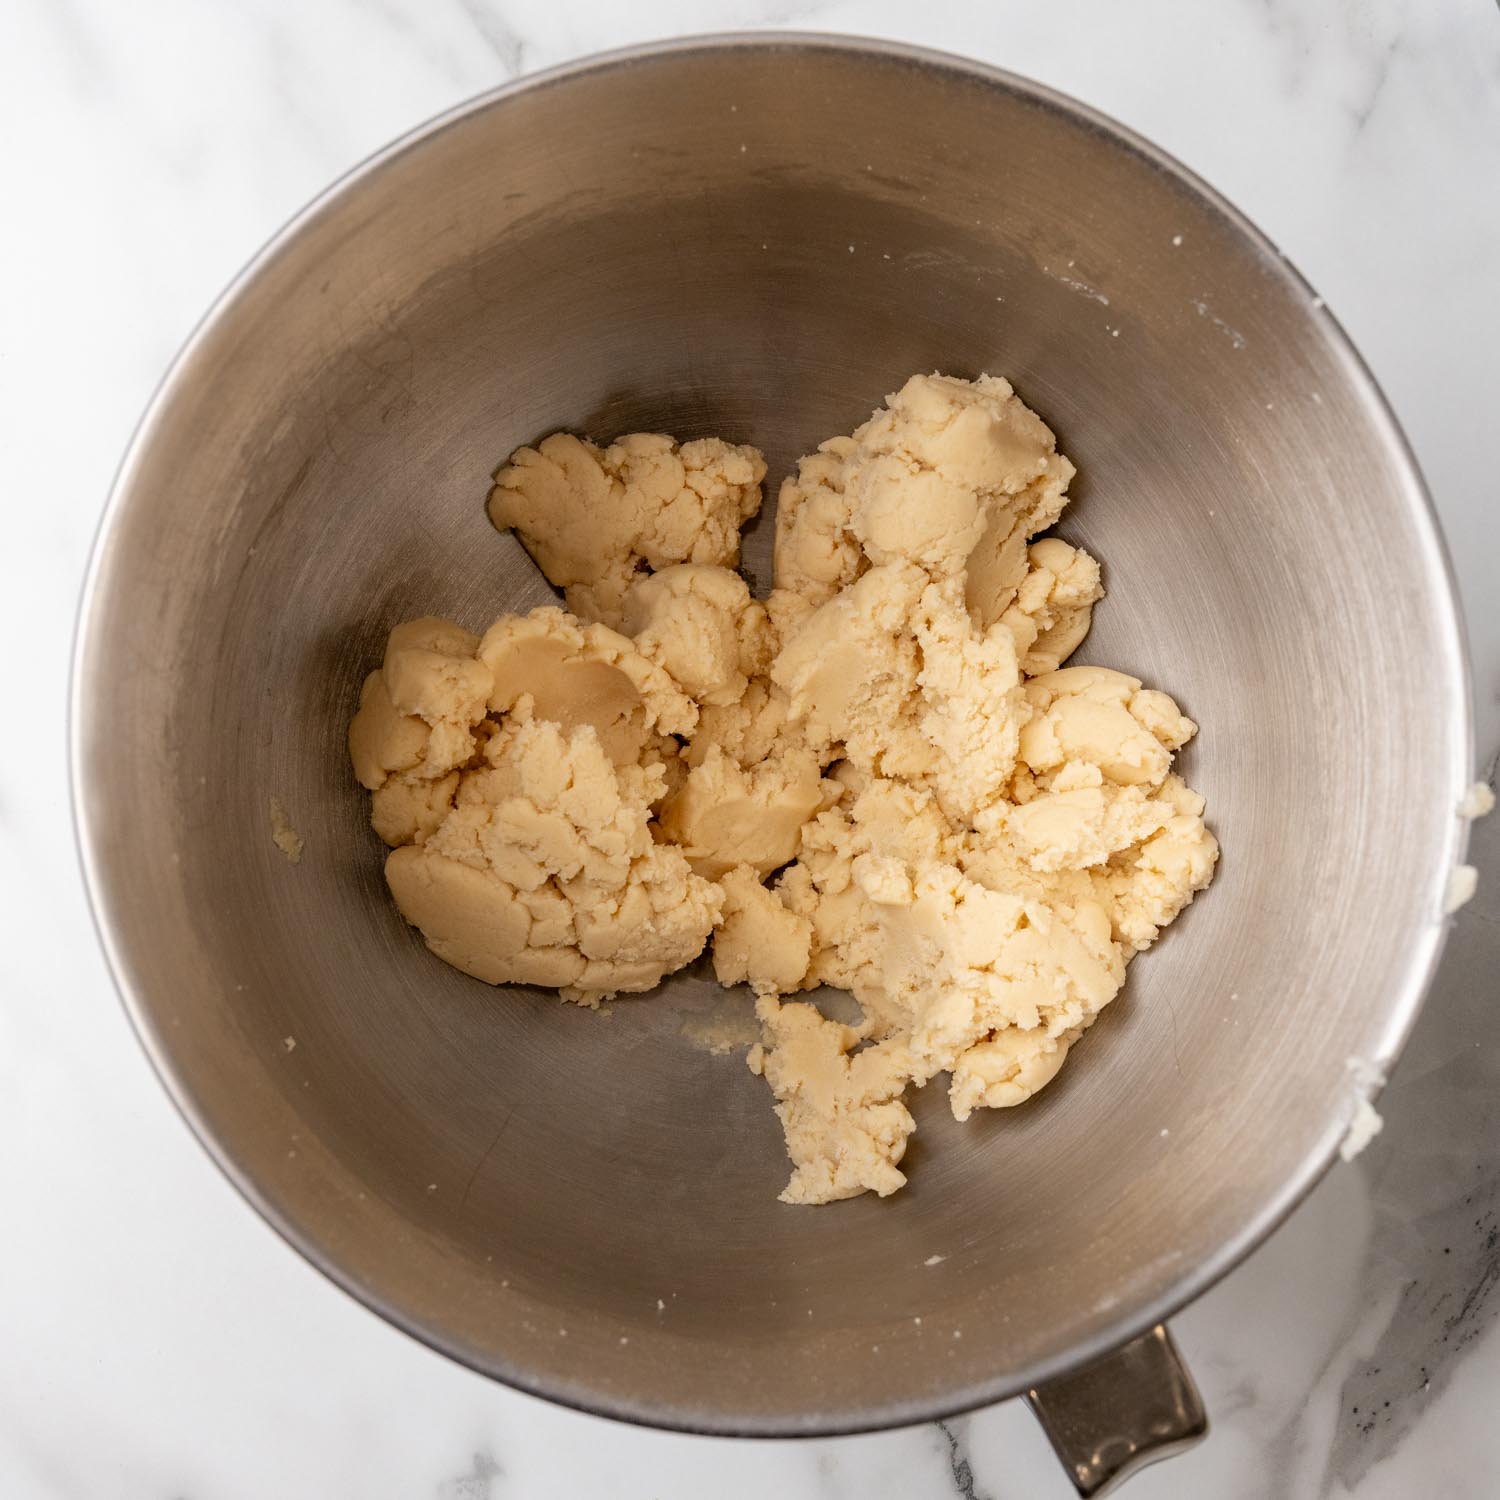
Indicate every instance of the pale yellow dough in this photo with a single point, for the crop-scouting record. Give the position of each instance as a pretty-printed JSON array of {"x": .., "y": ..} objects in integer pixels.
[
  {"x": 760, "y": 940},
  {"x": 595, "y": 518},
  {"x": 700, "y": 624},
  {"x": 545, "y": 871},
  {"x": 547, "y": 665},
  {"x": 970, "y": 837},
  {"x": 724, "y": 816}
]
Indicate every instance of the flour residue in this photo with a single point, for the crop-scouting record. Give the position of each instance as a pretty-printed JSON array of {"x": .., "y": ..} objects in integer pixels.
[
  {"x": 725, "y": 1026},
  {"x": 283, "y": 835},
  {"x": 1235, "y": 337},
  {"x": 1083, "y": 289}
]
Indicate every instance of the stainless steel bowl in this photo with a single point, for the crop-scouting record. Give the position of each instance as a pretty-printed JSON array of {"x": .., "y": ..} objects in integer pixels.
[{"x": 759, "y": 238}]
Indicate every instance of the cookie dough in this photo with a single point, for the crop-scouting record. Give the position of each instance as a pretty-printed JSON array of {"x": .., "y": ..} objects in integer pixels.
[
  {"x": 547, "y": 665},
  {"x": 594, "y": 518},
  {"x": 700, "y": 624},
  {"x": 882, "y": 777},
  {"x": 841, "y": 1110},
  {"x": 725, "y": 816},
  {"x": 760, "y": 941},
  {"x": 545, "y": 871}
]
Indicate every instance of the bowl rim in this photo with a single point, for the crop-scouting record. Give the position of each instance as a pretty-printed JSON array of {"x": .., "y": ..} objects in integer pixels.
[{"x": 1368, "y": 1077}]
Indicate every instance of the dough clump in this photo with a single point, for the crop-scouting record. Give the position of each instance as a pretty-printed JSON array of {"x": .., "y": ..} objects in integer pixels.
[
  {"x": 595, "y": 518},
  {"x": 880, "y": 778}
]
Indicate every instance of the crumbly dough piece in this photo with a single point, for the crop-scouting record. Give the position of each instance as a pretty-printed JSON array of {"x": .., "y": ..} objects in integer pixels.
[
  {"x": 1007, "y": 1069},
  {"x": 283, "y": 834},
  {"x": 575, "y": 674},
  {"x": 817, "y": 552},
  {"x": 1054, "y": 604},
  {"x": 1477, "y": 802},
  {"x": 989, "y": 985},
  {"x": 1158, "y": 854},
  {"x": 430, "y": 672},
  {"x": 952, "y": 475},
  {"x": 900, "y": 920},
  {"x": 1145, "y": 887},
  {"x": 972, "y": 704},
  {"x": 1098, "y": 717},
  {"x": 760, "y": 941},
  {"x": 850, "y": 674},
  {"x": 889, "y": 826},
  {"x": 725, "y": 815},
  {"x": 749, "y": 730},
  {"x": 893, "y": 672},
  {"x": 381, "y": 740},
  {"x": 840, "y": 1110},
  {"x": 545, "y": 872},
  {"x": 593, "y": 517},
  {"x": 408, "y": 807},
  {"x": 1082, "y": 822},
  {"x": 987, "y": 465},
  {"x": 700, "y": 625},
  {"x": 418, "y": 712}
]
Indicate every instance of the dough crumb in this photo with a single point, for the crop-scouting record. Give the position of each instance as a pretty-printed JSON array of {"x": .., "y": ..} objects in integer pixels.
[
  {"x": 1363, "y": 1129},
  {"x": 593, "y": 518},
  {"x": 1478, "y": 802},
  {"x": 1463, "y": 881},
  {"x": 283, "y": 835}
]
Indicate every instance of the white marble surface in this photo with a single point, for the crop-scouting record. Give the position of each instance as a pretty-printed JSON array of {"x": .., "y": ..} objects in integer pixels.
[{"x": 156, "y": 1340}]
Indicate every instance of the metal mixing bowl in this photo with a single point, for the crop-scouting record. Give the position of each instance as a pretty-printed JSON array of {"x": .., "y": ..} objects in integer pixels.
[{"x": 759, "y": 238}]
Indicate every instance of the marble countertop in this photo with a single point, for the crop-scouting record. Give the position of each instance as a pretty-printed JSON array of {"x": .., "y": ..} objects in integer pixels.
[{"x": 159, "y": 1341}]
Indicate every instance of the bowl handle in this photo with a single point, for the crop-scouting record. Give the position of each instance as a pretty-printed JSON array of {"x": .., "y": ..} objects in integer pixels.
[{"x": 1125, "y": 1410}]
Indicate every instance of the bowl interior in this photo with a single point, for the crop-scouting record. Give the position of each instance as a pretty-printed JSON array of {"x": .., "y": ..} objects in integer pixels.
[{"x": 758, "y": 240}]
